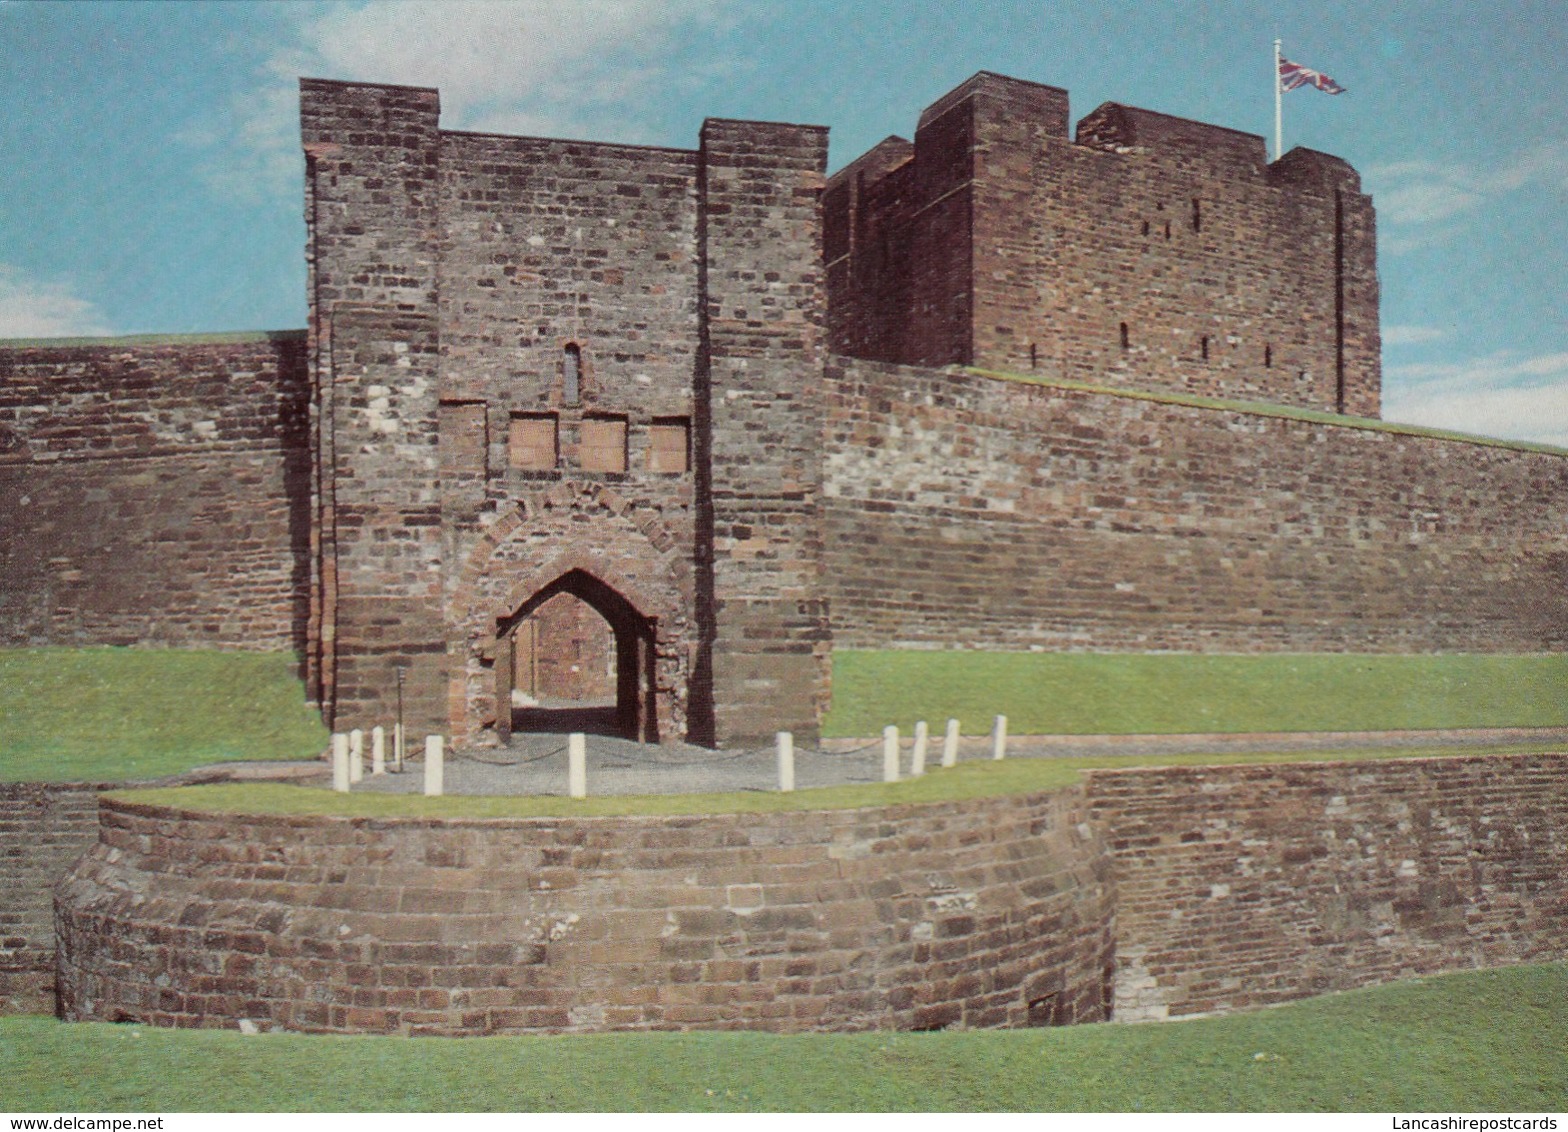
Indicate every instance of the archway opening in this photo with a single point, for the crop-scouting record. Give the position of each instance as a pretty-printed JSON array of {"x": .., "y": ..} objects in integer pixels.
[{"x": 577, "y": 656}]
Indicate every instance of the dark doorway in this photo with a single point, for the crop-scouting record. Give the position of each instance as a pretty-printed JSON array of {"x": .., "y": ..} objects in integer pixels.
[{"x": 583, "y": 658}]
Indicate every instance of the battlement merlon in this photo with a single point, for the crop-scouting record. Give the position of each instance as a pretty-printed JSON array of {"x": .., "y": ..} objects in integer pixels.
[
  {"x": 334, "y": 114},
  {"x": 1017, "y": 98},
  {"x": 1117, "y": 127},
  {"x": 1311, "y": 168},
  {"x": 877, "y": 162}
]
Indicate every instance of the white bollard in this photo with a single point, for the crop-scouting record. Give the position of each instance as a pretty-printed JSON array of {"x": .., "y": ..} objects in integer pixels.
[
  {"x": 397, "y": 747},
  {"x": 356, "y": 755},
  {"x": 435, "y": 765},
  {"x": 890, "y": 754},
  {"x": 918, "y": 764},
  {"x": 999, "y": 738},
  {"x": 577, "y": 765},
  {"x": 340, "y": 763},
  {"x": 950, "y": 744},
  {"x": 786, "y": 743},
  {"x": 378, "y": 750}
]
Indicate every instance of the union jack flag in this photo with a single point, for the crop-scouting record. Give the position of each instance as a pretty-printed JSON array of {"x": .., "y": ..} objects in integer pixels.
[{"x": 1292, "y": 75}]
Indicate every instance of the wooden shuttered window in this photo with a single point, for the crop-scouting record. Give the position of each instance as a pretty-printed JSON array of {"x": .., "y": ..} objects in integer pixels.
[
  {"x": 603, "y": 444},
  {"x": 669, "y": 445},
  {"x": 531, "y": 444}
]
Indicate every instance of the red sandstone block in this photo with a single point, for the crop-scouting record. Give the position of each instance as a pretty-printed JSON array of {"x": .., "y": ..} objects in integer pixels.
[
  {"x": 690, "y": 1014},
  {"x": 434, "y": 901}
]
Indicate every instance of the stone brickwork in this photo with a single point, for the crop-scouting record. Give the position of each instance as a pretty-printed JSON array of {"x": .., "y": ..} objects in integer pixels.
[
  {"x": 1146, "y": 894},
  {"x": 766, "y": 639},
  {"x": 584, "y": 671},
  {"x": 981, "y": 913},
  {"x": 555, "y": 318},
  {"x": 43, "y": 830},
  {"x": 555, "y": 257},
  {"x": 966, "y": 510},
  {"x": 372, "y": 215},
  {"x": 1239, "y": 886},
  {"x": 542, "y": 370},
  {"x": 1152, "y": 252},
  {"x": 155, "y": 492}
]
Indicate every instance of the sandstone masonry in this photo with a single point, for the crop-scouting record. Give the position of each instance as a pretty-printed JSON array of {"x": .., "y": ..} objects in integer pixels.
[
  {"x": 156, "y": 492},
  {"x": 1145, "y": 894},
  {"x": 704, "y": 413},
  {"x": 43, "y": 830},
  {"x": 984, "y": 913}
]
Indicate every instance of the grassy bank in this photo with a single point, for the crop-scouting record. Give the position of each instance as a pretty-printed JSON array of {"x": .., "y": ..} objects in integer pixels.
[
  {"x": 105, "y": 715},
  {"x": 1096, "y": 693},
  {"x": 1488, "y": 1041},
  {"x": 978, "y": 778}
]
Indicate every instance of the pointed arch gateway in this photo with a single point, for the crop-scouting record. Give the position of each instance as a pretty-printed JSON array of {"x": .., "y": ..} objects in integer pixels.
[
  {"x": 619, "y": 565},
  {"x": 635, "y": 634}
]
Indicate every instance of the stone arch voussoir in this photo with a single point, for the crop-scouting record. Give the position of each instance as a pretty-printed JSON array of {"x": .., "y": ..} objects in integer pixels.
[{"x": 572, "y": 526}]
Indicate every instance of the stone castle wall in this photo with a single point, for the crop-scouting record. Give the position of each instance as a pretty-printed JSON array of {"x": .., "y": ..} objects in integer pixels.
[
  {"x": 537, "y": 363},
  {"x": 972, "y": 511},
  {"x": 766, "y": 642},
  {"x": 44, "y": 828},
  {"x": 1239, "y": 886},
  {"x": 156, "y": 492},
  {"x": 372, "y": 209}
]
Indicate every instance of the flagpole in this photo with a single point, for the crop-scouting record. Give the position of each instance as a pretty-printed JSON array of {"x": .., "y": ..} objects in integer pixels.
[{"x": 1279, "y": 120}]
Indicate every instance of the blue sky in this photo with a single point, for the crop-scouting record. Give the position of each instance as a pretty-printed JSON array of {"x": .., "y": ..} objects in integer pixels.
[{"x": 152, "y": 178}]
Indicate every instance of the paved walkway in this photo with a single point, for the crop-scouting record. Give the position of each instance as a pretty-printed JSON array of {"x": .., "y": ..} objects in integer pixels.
[{"x": 536, "y": 763}]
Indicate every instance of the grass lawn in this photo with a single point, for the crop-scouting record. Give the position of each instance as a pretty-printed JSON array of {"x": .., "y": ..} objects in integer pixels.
[
  {"x": 109, "y": 715},
  {"x": 977, "y": 778},
  {"x": 1488, "y": 1041},
  {"x": 1099, "y": 693}
]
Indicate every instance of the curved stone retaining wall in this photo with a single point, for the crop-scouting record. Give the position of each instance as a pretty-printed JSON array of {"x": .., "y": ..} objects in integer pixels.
[{"x": 994, "y": 912}]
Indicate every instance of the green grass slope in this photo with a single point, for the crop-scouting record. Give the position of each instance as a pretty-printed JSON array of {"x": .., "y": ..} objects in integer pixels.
[
  {"x": 1490, "y": 1041},
  {"x": 973, "y": 778},
  {"x": 1099, "y": 693},
  {"x": 106, "y": 715}
]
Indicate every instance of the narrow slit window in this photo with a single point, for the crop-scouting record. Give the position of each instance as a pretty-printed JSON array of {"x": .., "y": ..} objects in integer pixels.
[
  {"x": 1126, "y": 342},
  {"x": 572, "y": 374},
  {"x": 1197, "y": 215},
  {"x": 1205, "y": 346},
  {"x": 1268, "y": 356}
]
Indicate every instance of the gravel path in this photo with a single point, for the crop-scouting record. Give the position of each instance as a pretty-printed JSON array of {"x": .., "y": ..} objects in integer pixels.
[{"x": 536, "y": 763}]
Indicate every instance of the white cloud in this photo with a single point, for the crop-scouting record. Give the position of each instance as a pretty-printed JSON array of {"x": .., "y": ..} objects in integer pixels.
[
  {"x": 513, "y": 57},
  {"x": 1504, "y": 395},
  {"x": 38, "y": 308},
  {"x": 1421, "y": 202},
  {"x": 550, "y": 67},
  {"x": 1411, "y": 335},
  {"x": 252, "y": 144}
]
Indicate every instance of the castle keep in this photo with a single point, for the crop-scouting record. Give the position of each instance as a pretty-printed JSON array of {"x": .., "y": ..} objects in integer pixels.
[{"x": 670, "y": 425}]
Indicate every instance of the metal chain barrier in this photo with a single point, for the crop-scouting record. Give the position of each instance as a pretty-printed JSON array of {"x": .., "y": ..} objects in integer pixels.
[{"x": 524, "y": 760}]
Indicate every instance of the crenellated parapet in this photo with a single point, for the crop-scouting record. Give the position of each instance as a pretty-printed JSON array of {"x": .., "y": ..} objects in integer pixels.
[{"x": 1149, "y": 252}]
